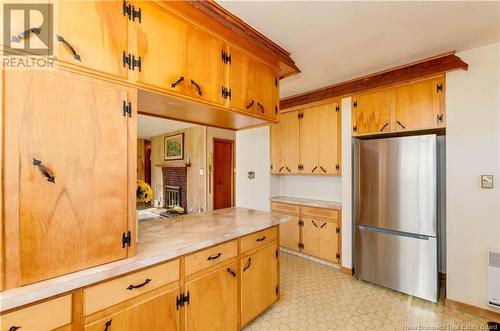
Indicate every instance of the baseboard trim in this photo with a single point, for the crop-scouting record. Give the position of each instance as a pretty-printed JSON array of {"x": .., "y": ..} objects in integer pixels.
[
  {"x": 482, "y": 312},
  {"x": 347, "y": 271}
]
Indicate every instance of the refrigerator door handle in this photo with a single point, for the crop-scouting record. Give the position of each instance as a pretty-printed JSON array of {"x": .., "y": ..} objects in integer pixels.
[{"x": 395, "y": 233}]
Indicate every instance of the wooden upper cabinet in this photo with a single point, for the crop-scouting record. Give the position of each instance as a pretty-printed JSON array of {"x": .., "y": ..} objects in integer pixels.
[
  {"x": 329, "y": 146},
  {"x": 309, "y": 141},
  {"x": 68, "y": 174},
  {"x": 277, "y": 145},
  {"x": 291, "y": 142},
  {"x": 205, "y": 68},
  {"x": 162, "y": 46},
  {"x": 92, "y": 34},
  {"x": 259, "y": 282},
  {"x": 266, "y": 91},
  {"x": 372, "y": 112},
  {"x": 420, "y": 105},
  {"x": 241, "y": 80}
]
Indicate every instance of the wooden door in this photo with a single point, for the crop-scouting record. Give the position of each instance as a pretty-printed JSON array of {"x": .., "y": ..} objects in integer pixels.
[
  {"x": 156, "y": 313},
  {"x": 329, "y": 141},
  {"x": 162, "y": 45},
  {"x": 205, "y": 69},
  {"x": 371, "y": 112},
  {"x": 259, "y": 282},
  {"x": 310, "y": 236},
  {"x": 213, "y": 301},
  {"x": 419, "y": 105},
  {"x": 266, "y": 91},
  {"x": 69, "y": 197},
  {"x": 291, "y": 141},
  {"x": 328, "y": 240},
  {"x": 277, "y": 146},
  {"x": 242, "y": 81},
  {"x": 309, "y": 141},
  {"x": 223, "y": 173},
  {"x": 97, "y": 31},
  {"x": 290, "y": 234}
]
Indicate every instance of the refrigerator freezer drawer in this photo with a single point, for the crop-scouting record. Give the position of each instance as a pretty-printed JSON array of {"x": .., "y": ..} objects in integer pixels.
[{"x": 405, "y": 263}]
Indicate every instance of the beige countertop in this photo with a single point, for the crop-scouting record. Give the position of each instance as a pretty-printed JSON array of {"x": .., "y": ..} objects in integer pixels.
[
  {"x": 308, "y": 202},
  {"x": 160, "y": 240}
]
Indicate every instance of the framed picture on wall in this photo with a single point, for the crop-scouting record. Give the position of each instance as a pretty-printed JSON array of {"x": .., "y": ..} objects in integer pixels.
[{"x": 174, "y": 147}]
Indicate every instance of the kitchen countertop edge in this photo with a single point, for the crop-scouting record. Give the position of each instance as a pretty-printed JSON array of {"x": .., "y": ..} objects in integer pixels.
[{"x": 307, "y": 202}]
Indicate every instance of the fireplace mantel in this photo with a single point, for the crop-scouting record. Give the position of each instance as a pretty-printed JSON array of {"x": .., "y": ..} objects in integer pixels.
[{"x": 173, "y": 164}]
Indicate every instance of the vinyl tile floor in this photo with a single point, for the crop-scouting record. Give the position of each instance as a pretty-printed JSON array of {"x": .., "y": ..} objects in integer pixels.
[{"x": 319, "y": 297}]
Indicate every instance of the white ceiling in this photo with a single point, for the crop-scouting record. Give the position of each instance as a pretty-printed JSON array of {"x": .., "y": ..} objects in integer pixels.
[
  {"x": 335, "y": 41},
  {"x": 148, "y": 126}
]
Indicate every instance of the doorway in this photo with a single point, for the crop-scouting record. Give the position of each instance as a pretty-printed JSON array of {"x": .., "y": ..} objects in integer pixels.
[{"x": 223, "y": 164}]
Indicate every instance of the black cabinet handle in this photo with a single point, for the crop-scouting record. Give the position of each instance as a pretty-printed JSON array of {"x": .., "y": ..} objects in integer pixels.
[
  {"x": 314, "y": 169},
  {"x": 177, "y": 82},
  {"x": 231, "y": 272},
  {"x": 14, "y": 328},
  {"x": 107, "y": 325},
  {"x": 250, "y": 104},
  {"x": 214, "y": 257},
  {"x": 385, "y": 125},
  {"x": 25, "y": 34},
  {"x": 261, "y": 107},
  {"x": 261, "y": 239},
  {"x": 281, "y": 169},
  {"x": 44, "y": 170},
  {"x": 288, "y": 169},
  {"x": 248, "y": 265},
  {"x": 401, "y": 125},
  {"x": 197, "y": 87},
  {"x": 72, "y": 50},
  {"x": 314, "y": 223},
  {"x": 131, "y": 287},
  {"x": 323, "y": 169},
  {"x": 321, "y": 227}
]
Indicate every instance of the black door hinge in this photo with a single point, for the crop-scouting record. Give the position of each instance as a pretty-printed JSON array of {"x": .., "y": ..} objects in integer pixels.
[
  {"x": 337, "y": 255},
  {"x": 355, "y": 128},
  {"x": 276, "y": 253},
  {"x": 439, "y": 87},
  {"x": 337, "y": 229},
  {"x": 131, "y": 61},
  {"x": 301, "y": 223},
  {"x": 226, "y": 58},
  {"x": 276, "y": 109},
  {"x": 301, "y": 245},
  {"x": 277, "y": 290},
  {"x": 181, "y": 300},
  {"x": 337, "y": 167},
  {"x": 355, "y": 104},
  {"x": 300, "y": 166},
  {"x": 439, "y": 118},
  {"x": 300, "y": 116},
  {"x": 127, "y": 109},
  {"x": 276, "y": 82},
  {"x": 226, "y": 93},
  {"x": 337, "y": 108},
  {"x": 126, "y": 239},
  {"x": 131, "y": 12}
]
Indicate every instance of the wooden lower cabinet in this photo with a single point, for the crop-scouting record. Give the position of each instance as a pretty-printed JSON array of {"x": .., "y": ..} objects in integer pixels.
[
  {"x": 290, "y": 234},
  {"x": 213, "y": 300},
  {"x": 320, "y": 239},
  {"x": 156, "y": 313},
  {"x": 259, "y": 282}
]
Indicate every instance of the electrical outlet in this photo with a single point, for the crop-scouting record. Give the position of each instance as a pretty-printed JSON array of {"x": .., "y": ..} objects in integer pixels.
[{"x": 486, "y": 181}]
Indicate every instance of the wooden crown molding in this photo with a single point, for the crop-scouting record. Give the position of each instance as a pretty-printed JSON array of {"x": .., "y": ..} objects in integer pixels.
[{"x": 416, "y": 70}]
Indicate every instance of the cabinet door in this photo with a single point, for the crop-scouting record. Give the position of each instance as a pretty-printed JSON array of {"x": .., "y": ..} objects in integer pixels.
[
  {"x": 162, "y": 45},
  {"x": 97, "y": 31},
  {"x": 372, "y": 112},
  {"x": 259, "y": 282},
  {"x": 213, "y": 301},
  {"x": 310, "y": 236},
  {"x": 277, "y": 146},
  {"x": 266, "y": 91},
  {"x": 289, "y": 234},
  {"x": 419, "y": 105},
  {"x": 309, "y": 141},
  {"x": 242, "y": 81},
  {"x": 206, "y": 71},
  {"x": 329, "y": 141},
  {"x": 328, "y": 241},
  {"x": 156, "y": 313},
  {"x": 68, "y": 175},
  {"x": 291, "y": 141}
]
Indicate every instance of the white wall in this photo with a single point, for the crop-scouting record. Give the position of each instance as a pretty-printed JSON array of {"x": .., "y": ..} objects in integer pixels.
[
  {"x": 472, "y": 149},
  {"x": 253, "y": 154},
  {"x": 347, "y": 227},
  {"x": 311, "y": 187}
]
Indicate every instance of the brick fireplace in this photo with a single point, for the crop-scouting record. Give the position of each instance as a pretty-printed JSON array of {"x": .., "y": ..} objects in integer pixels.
[{"x": 175, "y": 180}]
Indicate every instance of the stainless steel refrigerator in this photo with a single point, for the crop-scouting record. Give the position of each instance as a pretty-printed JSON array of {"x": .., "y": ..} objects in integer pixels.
[{"x": 395, "y": 212}]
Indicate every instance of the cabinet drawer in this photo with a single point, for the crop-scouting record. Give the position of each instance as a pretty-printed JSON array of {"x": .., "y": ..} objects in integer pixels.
[
  {"x": 258, "y": 239},
  {"x": 47, "y": 315},
  {"x": 115, "y": 291},
  {"x": 284, "y": 208},
  {"x": 210, "y": 256},
  {"x": 320, "y": 212}
]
